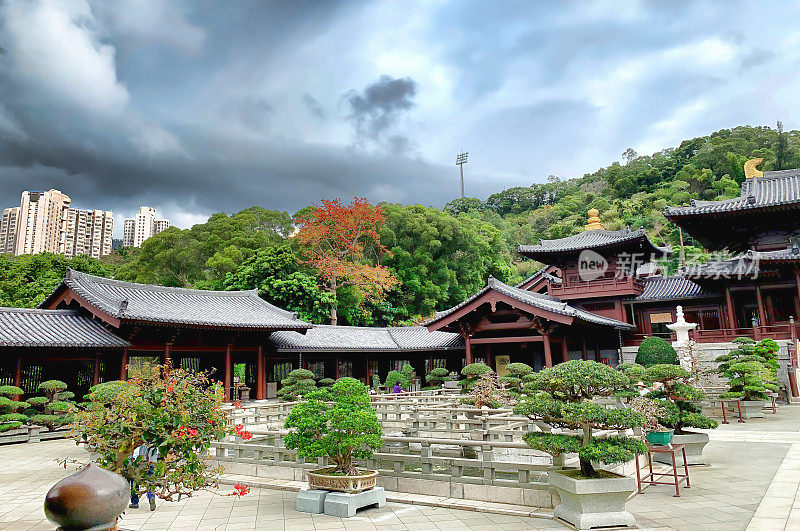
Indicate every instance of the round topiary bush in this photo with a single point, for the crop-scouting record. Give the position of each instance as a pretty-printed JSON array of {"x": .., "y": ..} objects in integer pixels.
[{"x": 656, "y": 351}]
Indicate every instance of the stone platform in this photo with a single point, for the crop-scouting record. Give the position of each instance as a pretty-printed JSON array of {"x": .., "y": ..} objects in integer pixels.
[{"x": 341, "y": 504}]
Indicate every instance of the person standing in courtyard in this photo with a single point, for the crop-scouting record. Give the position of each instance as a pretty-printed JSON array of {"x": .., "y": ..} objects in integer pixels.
[{"x": 151, "y": 455}]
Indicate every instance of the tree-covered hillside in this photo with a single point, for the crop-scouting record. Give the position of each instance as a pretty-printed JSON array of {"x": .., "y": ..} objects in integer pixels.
[{"x": 439, "y": 256}]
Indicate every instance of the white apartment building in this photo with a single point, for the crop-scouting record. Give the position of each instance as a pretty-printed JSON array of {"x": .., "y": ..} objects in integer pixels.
[
  {"x": 89, "y": 232},
  {"x": 145, "y": 224},
  {"x": 44, "y": 222},
  {"x": 8, "y": 230}
]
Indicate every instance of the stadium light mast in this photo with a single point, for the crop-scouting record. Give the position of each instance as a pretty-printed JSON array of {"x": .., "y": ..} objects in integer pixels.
[{"x": 461, "y": 159}]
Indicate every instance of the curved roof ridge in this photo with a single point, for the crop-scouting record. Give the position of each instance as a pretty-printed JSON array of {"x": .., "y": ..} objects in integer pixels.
[
  {"x": 79, "y": 275},
  {"x": 13, "y": 309}
]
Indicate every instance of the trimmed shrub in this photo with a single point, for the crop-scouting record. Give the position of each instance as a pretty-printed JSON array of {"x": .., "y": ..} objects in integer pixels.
[
  {"x": 392, "y": 378},
  {"x": 518, "y": 375},
  {"x": 299, "y": 383},
  {"x": 437, "y": 376},
  {"x": 52, "y": 411},
  {"x": 106, "y": 392},
  {"x": 472, "y": 372},
  {"x": 656, "y": 351},
  {"x": 9, "y": 418},
  {"x": 751, "y": 370},
  {"x": 326, "y": 382}
]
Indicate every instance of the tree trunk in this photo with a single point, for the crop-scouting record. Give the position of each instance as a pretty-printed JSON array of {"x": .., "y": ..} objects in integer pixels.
[
  {"x": 333, "y": 306},
  {"x": 587, "y": 470}
]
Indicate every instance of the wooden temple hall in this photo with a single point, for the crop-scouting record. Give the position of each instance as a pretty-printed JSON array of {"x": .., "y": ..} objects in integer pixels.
[{"x": 600, "y": 293}]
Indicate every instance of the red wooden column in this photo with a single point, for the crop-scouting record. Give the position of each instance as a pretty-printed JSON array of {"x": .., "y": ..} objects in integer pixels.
[
  {"x": 762, "y": 315},
  {"x": 548, "y": 356},
  {"x": 228, "y": 373},
  {"x": 469, "y": 350},
  {"x": 123, "y": 371},
  {"x": 96, "y": 375},
  {"x": 729, "y": 308},
  {"x": 564, "y": 350},
  {"x": 597, "y": 356},
  {"x": 584, "y": 353},
  {"x": 261, "y": 375},
  {"x": 167, "y": 353},
  {"x": 18, "y": 374}
]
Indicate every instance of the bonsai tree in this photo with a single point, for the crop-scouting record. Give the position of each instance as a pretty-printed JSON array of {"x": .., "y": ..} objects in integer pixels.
[
  {"x": 655, "y": 351},
  {"x": 751, "y": 369},
  {"x": 55, "y": 412},
  {"x": 10, "y": 419},
  {"x": 404, "y": 376},
  {"x": 174, "y": 412},
  {"x": 518, "y": 375},
  {"x": 651, "y": 410},
  {"x": 300, "y": 382},
  {"x": 472, "y": 372},
  {"x": 338, "y": 423},
  {"x": 436, "y": 377},
  {"x": 672, "y": 385},
  {"x": 564, "y": 401},
  {"x": 487, "y": 392},
  {"x": 326, "y": 382}
]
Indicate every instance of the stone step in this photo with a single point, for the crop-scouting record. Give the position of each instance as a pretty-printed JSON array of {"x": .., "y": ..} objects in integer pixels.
[{"x": 398, "y": 497}]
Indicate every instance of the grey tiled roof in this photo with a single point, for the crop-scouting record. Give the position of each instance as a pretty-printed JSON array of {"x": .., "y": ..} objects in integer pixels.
[
  {"x": 145, "y": 302},
  {"x": 666, "y": 288},
  {"x": 774, "y": 188},
  {"x": 366, "y": 339},
  {"x": 746, "y": 264},
  {"x": 22, "y": 327},
  {"x": 540, "y": 273},
  {"x": 538, "y": 300},
  {"x": 590, "y": 239}
]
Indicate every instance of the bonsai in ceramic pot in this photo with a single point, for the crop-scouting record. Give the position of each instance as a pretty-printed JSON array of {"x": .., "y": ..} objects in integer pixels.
[
  {"x": 340, "y": 424},
  {"x": 752, "y": 373},
  {"x": 651, "y": 410},
  {"x": 562, "y": 397}
]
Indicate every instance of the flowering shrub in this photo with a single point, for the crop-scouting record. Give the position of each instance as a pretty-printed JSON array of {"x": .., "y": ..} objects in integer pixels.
[{"x": 174, "y": 413}]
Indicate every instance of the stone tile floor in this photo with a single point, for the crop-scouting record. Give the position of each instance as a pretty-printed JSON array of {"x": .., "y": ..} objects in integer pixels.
[{"x": 752, "y": 483}]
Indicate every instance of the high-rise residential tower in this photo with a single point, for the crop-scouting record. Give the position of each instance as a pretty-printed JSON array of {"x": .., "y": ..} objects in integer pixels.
[
  {"x": 8, "y": 229},
  {"x": 145, "y": 224},
  {"x": 42, "y": 222},
  {"x": 89, "y": 232}
]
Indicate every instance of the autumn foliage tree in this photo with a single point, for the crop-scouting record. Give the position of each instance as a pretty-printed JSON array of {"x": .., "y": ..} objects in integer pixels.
[{"x": 338, "y": 242}]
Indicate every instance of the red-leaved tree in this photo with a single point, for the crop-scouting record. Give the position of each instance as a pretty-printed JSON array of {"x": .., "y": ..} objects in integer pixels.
[{"x": 336, "y": 240}]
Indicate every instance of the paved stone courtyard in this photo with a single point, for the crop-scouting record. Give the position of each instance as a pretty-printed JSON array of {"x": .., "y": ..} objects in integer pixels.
[{"x": 748, "y": 461}]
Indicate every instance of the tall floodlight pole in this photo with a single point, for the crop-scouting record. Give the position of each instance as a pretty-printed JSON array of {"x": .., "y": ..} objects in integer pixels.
[{"x": 461, "y": 159}]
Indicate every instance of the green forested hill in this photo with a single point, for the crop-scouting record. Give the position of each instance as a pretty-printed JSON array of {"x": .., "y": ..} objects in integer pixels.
[{"x": 440, "y": 256}]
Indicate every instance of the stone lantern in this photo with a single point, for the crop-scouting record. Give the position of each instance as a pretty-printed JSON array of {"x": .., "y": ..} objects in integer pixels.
[{"x": 682, "y": 342}]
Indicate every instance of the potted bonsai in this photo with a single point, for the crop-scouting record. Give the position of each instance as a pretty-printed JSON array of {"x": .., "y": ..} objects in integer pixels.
[
  {"x": 681, "y": 410},
  {"x": 589, "y": 497},
  {"x": 10, "y": 418},
  {"x": 340, "y": 424},
  {"x": 752, "y": 373},
  {"x": 299, "y": 382},
  {"x": 55, "y": 405},
  {"x": 436, "y": 378},
  {"x": 518, "y": 374},
  {"x": 654, "y": 432},
  {"x": 472, "y": 372}
]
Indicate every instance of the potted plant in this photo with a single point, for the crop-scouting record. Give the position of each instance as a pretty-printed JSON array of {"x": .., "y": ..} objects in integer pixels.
[
  {"x": 561, "y": 396},
  {"x": 340, "y": 424},
  {"x": 298, "y": 383},
  {"x": 436, "y": 378},
  {"x": 55, "y": 405},
  {"x": 10, "y": 419},
  {"x": 472, "y": 372},
  {"x": 651, "y": 410},
  {"x": 518, "y": 374},
  {"x": 752, "y": 373},
  {"x": 681, "y": 410}
]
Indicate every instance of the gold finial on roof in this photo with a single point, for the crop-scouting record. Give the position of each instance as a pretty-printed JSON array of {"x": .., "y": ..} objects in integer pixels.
[
  {"x": 750, "y": 170},
  {"x": 594, "y": 220}
]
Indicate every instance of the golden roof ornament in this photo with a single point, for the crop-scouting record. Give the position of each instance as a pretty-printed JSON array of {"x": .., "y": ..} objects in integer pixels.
[
  {"x": 594, "y": 220},
  {"x": 750, "y": 170}
]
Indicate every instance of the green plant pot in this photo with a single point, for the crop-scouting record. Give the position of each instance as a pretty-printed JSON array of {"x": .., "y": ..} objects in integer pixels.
[{"x": 659, "y": 438}]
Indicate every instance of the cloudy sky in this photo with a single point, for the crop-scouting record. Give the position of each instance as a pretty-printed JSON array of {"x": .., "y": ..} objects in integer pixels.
[{"x": 196, "y": 106}]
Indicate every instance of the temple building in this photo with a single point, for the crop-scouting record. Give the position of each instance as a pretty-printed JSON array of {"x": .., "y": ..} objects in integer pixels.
[{"x": 600, "y": 293}]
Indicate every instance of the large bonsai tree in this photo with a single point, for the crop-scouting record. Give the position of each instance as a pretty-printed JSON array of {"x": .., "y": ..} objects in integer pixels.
[
  {"x": 436, "y": 377},
  {"x": 564, "y": 400},
  {"x": 56, "y": 409},
  {"x": 10, "y": 419},
  {"x": 656, "y": 351},
  {"x": 671, "y": 387},
  {"x": 404, "y": 376},
  {"x": 173, "y": 412},
  {"x": 518, "y": 375},
  {"x": 338, "y": 423},
  {"x": 751, "y": 369},
  {"x": 472, "y": 372},
  {"x": 298, "y": 383}
]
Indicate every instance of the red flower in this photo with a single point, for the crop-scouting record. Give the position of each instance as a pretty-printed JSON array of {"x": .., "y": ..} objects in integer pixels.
[{"x": 239, "y": 490}]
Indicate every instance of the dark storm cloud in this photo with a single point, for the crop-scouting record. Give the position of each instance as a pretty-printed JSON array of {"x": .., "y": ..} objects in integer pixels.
[
  {"x": 202, "y": 106},
  {"x": 374, "y": 109}
]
